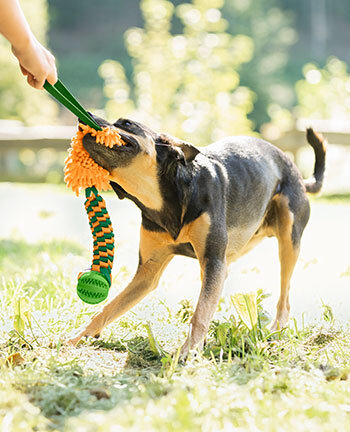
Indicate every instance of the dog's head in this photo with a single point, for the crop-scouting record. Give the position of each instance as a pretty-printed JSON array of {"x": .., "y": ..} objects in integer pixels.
[{"x": 138, "y": 165}]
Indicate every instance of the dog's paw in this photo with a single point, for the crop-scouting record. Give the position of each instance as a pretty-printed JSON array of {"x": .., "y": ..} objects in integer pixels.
[
  {"x": 278, "y": 325},
  {"x": 188, "y": 351},
  {"x": 73, "y": 342},
  {"x": 184, "y": 351}
]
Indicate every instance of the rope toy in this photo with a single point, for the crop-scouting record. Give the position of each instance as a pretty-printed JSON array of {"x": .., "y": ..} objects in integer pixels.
[{"x": 82, "y": 172}]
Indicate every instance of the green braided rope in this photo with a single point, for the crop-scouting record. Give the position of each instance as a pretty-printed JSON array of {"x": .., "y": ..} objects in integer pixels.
[{"x": 93, "y": 286}]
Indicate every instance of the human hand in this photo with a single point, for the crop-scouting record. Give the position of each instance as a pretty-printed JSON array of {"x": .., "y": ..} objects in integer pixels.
[{"x": 36, "y": 63}]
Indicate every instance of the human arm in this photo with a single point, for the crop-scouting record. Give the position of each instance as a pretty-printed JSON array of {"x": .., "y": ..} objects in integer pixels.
[{"x": 36, "y": 62}]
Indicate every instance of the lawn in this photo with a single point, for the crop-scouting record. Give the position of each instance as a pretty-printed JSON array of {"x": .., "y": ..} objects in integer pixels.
[{"x": 130, "y": 379}]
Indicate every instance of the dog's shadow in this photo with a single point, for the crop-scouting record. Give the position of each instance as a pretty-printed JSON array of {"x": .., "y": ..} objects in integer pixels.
[
  {"x": 138, "y": 350},
  {"x": 66, "y": 385}
]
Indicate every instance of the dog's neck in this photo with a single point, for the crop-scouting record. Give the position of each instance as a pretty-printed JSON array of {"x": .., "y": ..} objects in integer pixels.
[
  {"x": 141, "y": 182},
  {"x": 176, "y": 190}
]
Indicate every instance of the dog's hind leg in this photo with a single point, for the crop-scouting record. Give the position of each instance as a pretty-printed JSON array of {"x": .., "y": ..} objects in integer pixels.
[
  {"x": 289, "y": 226},
  {"x": 154, "y": 257}
]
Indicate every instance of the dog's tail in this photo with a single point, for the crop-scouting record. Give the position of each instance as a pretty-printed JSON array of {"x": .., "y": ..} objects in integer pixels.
[{"x": 319, "y": 144}]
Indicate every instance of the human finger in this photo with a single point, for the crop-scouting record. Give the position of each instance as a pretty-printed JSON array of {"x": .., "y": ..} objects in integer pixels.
[
  {"x": 39, "y": 82},
  {"x": 31, "y": 80},
  {"x": 23, "y": 70}
]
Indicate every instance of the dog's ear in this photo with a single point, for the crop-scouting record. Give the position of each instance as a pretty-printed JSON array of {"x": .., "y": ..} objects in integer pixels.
[{"x": 187, "y": 152}]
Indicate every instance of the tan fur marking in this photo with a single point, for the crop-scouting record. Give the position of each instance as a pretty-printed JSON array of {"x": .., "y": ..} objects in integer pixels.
[
  {"x": 198, "y": 231},
  {"x": 195, "y": 232},
  {"x": 288, "y": 255},
  {"x": 197, "y": 236},
  {"x": 140, "y": 178},
  {"x": 151, "y": 242},
  {"x": 207, "y": 303}
]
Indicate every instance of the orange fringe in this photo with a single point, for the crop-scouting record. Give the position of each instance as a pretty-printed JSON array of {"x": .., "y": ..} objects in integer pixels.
[{"x": 81, "y": 171}]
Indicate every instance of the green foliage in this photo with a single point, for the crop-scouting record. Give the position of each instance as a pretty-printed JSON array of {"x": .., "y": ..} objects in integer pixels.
[
  {"x": 18, "y": 100},
  {"x": 246, "y": 380},
  {"x": 83, "y": 37},
  {"x": 272, "y": 30},
  {"x": 246, "y": 333},
  {"x": 325, "y": 92},
  {"x": 187, "y": 83}
]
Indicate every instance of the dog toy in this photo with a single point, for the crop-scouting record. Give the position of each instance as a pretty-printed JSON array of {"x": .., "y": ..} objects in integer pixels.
[
  {"x": 82, "y": 172},
  {"x": 93, "y": 285}
]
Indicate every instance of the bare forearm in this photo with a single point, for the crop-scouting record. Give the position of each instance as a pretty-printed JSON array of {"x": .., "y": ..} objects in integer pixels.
[
  {"x": 13, "y": 25},
  {"x": 36, "y": 62}
]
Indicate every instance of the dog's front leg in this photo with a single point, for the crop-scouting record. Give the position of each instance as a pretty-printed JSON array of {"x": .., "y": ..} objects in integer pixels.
[
  {"x": 213, "y": 277},
  {"x": 144, "y": 281},
  {"x": 209, "y": 241}
]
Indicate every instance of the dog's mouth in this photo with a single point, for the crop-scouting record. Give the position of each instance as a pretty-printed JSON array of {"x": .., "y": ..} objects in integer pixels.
[
  {"x": 99, "y": 153},
  {"x": 129, "y": 141},
  {"x": 114, "y": 157}
]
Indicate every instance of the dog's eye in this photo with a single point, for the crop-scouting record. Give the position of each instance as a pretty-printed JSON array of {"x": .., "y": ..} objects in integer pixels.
[{"x": 127, "y": 123}]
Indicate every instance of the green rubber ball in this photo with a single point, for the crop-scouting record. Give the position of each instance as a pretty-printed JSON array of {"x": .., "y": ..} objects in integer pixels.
[{"x": 92, "y": 287}]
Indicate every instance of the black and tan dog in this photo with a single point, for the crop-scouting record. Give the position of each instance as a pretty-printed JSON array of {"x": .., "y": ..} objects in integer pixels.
[{"x": 214, "y": 204}]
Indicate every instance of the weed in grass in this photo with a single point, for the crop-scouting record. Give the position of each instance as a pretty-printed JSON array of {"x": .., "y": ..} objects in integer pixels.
[
  {"x": 185, "y": 312},
  {"x": 246, "y": 378},
  {"x": 243, "y": 334}
]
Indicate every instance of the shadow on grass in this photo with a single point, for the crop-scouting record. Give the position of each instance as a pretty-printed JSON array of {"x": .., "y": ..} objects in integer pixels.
[
  {"x": 63, "y": 389},
  {"x": 139, "y": 351}
]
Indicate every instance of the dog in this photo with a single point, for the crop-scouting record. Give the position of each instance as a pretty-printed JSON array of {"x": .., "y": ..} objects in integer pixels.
[{"x": 214, "y": 204}]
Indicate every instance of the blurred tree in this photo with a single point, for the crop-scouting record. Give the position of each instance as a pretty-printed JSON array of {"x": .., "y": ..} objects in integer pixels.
[
  {"x": 85, "y": 32},
  {"x": 324, "y": 93},
  {"x": 271, "y": 29},
  {"x": 188, "y": 83},
  {"x": 17, "y": 99}
]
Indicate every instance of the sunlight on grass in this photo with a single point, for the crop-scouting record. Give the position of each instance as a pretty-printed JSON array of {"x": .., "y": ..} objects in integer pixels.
[{"x": 131, "y": 378}]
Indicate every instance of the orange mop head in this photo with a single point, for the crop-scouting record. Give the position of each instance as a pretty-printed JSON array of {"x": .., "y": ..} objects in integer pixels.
[{"x": 81, "y": 171}]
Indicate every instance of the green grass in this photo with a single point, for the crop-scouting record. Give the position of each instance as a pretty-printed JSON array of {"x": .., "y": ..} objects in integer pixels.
[
  {"x": 335, "y": 198},
  {"x": 245, "y": 379}
]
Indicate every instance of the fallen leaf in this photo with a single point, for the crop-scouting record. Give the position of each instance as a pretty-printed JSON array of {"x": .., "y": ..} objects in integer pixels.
[{"x": 14, "y": 359}]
